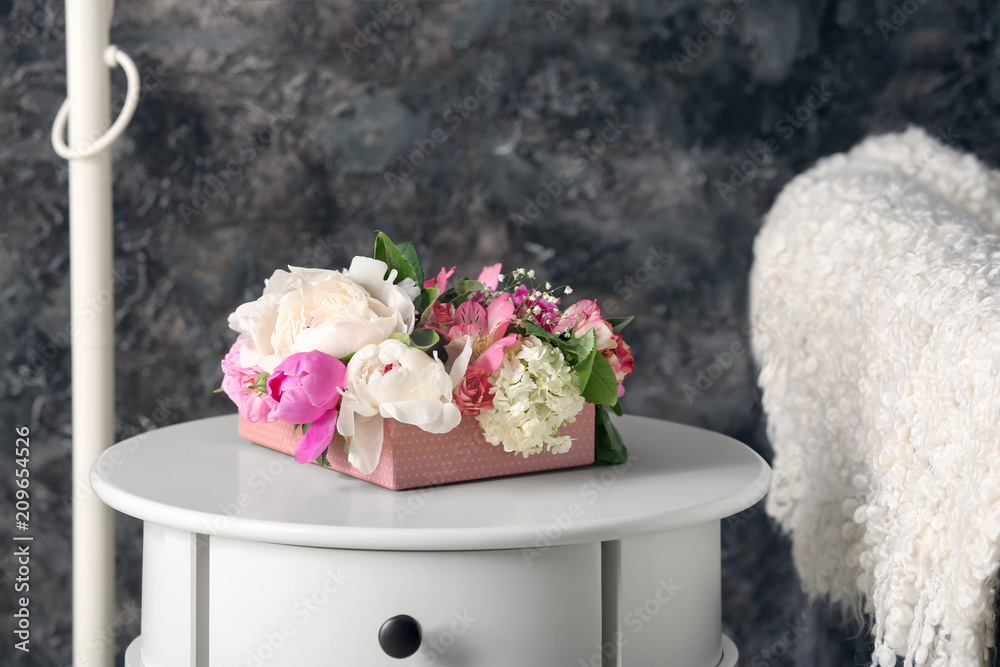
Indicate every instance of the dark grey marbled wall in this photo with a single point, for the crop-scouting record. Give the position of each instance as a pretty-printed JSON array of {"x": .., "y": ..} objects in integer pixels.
[{"x": 268, "y": 136}]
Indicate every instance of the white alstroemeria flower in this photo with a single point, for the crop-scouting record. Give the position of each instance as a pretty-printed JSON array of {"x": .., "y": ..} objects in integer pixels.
[
  {"x": 392, "y": 380},
  {"x": 335, "y": 312},
  {"x": 458, "y": 361}
]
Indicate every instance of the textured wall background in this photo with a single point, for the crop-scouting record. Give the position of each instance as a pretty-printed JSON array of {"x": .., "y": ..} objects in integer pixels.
[{"x": 276, "y": 133}]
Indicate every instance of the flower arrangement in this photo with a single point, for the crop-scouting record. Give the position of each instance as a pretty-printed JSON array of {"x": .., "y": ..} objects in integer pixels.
[{"x": 341, "y": 351}]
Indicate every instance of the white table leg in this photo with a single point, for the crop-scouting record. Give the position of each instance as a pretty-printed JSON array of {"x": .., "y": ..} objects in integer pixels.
[
  {"x": 662, "y": 599},
  {"x": 132, "y": 658},
  {"x": 173, "y": 562}
]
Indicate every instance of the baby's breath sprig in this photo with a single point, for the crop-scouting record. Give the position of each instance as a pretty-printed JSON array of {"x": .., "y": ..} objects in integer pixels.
[
  {"x": 526, "y": 277},
  {"x": 536, "y": 302}
]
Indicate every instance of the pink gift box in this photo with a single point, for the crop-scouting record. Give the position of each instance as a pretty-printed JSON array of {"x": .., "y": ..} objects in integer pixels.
[{"x": 412, "y": 458}]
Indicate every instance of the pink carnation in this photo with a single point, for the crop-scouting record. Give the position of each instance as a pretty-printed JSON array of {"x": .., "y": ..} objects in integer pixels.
[{"x": 237, "y": 381}]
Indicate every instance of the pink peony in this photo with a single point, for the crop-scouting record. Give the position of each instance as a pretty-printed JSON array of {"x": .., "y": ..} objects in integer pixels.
[
  {"x": 474, "y": 394},
  {"x": 583, "y": 316},
  {"x": 307, "y": 386},
  {"x": 620, "y": 358},
  {"x": 236, "y": 382}
]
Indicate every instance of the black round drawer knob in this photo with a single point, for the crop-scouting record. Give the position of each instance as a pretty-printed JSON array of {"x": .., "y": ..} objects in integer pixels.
[{"x": 399, "y": 637}]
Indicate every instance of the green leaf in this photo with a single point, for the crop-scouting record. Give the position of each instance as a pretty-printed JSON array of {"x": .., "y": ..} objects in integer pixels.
[
  {"x": 465, "y": 289},
  {"x": 410, "y": 253},
  {"x": 585, "y": 367},
  {"x": 532, "y": 329},
  {"x": 619, "y": 323},
  {"x": 469, "y": 285},
  {"x": 609, "y": 448},
  {"x": 601, "y": 388},
  {"x": 448, "y": 296},
  {"x": 386, "y": 251},
  {"x": 617, "y": 408},
  {"x": 461, "y": 291},
  {"x": 580, "y": 349},
  {"x": 420, "y": 339},
  {"x": 260, "y": 384},
  {"x": 322, "y": 460},
  {"x": 424, "y": 339},
  {"x": 427, "y": 298},
  {"x": 218, "y": 391}
]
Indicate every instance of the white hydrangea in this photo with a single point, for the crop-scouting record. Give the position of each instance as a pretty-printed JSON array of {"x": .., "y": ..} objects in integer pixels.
[{"x": 536, "y": 392}]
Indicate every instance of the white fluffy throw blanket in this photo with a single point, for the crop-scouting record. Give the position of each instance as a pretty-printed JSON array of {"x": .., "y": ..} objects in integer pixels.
[{"x": 875, "y": 305}]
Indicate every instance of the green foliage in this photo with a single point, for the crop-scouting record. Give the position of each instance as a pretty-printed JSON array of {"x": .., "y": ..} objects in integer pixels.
[
  {"x": 388, "y": 252},
  {"x": 424, "y": 339},
  {"x": 425, "y": 301},
  {"x": 580, "y": 352},
  {"x": 322, "y": 460},
  {"x": 609, "y": 448},
  {"x": 602, "y": 387},
  {"x": 532, "y": 329},
  {"x": 465, "y": 289},
  {"x": 421, "y": 339},
  {"x": 260, "y": 384},
  {"x": 619, "y": 323},
  {"x": 410, "y": 254}
]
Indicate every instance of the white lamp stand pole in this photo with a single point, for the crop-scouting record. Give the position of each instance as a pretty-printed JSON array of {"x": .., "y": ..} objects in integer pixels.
[{"x": 87, "y": 107}]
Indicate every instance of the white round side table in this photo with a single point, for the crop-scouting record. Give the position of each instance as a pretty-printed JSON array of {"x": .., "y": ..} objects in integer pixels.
[{"x": 252, "y": 560}]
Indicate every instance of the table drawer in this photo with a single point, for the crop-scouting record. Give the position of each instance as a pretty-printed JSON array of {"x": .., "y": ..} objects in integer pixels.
[{"x": 289, "y": 606}]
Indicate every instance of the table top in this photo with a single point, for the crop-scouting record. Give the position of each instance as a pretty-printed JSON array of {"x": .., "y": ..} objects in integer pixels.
[{"x": 200, "y": 476}]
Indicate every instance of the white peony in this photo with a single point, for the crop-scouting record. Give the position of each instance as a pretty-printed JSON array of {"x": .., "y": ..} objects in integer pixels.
[
  {"x": 335, "y": 312},
  {"x": 392, "y": 380},
  {"x": 536, "y": 392}
]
